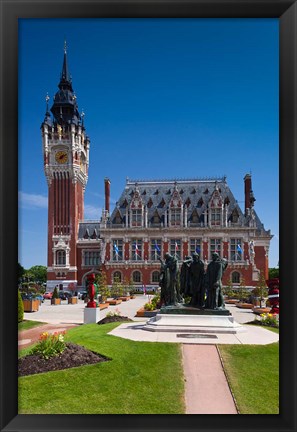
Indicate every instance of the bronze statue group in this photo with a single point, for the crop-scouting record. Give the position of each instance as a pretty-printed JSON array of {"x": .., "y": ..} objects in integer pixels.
[{"x": 204, "y": 288}]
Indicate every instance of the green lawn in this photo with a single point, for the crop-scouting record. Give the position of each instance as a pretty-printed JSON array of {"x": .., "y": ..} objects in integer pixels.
[
  {"x": 26, "y": 324},
  {"x": 253, "y": 375},
  {"x": 142, "y": 378}
]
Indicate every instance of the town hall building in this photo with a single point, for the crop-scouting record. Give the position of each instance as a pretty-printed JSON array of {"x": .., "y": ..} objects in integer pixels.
[{"x": 150, "y": 218}]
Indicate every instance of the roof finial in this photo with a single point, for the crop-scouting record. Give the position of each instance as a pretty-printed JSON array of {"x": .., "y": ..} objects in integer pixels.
[{"x": 47, "y": 98}]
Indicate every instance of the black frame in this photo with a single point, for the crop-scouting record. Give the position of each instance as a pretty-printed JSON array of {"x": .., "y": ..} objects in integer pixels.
[{"x": 286, "y": 11}]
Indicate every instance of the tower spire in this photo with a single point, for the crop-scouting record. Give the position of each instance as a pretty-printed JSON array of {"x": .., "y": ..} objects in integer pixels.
[{"x": 65, "y": 77}]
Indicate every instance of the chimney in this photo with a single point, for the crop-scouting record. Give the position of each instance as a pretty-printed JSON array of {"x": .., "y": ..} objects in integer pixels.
[
  {"x": 107, "y": 193},
  {"x": 247, "y": 192}
]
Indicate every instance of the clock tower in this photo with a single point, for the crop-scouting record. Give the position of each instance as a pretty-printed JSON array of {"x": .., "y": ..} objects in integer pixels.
[{"x": 66, "y": 160}]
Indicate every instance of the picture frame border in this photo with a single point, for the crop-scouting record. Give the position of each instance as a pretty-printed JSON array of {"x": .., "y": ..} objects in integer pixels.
[{"x": 286, "y": 12}]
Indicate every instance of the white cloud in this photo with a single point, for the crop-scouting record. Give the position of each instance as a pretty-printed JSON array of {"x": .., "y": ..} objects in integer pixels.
[
  {"x": 32, "y": 200},
  {"x": 92, "y": 212}
]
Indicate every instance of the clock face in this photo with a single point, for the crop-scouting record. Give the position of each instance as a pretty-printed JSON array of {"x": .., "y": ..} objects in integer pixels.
[{"x": 61, "y": 157}]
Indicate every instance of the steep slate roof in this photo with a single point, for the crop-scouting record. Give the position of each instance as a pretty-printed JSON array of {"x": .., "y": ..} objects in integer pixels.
[
  {"x": 89, "y": 230},
  {"x": 157, "y": 194}
]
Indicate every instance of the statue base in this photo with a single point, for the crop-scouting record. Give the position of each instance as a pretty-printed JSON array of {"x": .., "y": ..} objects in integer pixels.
[
  {"x": 193, "y": 323},
  {"x": 91, "y": 315},
  {"x": 185, "y": 309}
]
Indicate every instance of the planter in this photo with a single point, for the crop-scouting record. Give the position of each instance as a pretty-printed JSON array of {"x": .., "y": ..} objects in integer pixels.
[
  {"x": 147, "y": 314},
  {"x": 259, "y": 310},
  {"x": 132, "y": 297},
  {"x": 245, "y": 305},
  {"x": 114, "y": 302},
  {"x": 231, "y": 301},
  {"x": 72, "y": 300},
  {"x": 31, "y": 305},
  {"x": 55, "y": 301},
  {"x": 103, "y": 305},
  {"x": 124, "y": 298}
]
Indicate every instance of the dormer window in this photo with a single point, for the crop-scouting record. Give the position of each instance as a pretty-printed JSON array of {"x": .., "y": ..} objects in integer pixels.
[
  {"x": 175, "y": 217},
  {"x": 136, "y": 217},
  {"x": 215, "y": 216}
]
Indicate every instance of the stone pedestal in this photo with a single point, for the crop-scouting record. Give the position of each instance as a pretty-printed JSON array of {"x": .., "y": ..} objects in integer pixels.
[
  {"x": 193, "y": 320},
  {"x": 91, "y": 315}
]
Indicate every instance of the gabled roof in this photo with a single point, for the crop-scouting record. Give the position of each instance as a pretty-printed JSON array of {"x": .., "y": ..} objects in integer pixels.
[{"x": 194, "y": 193}]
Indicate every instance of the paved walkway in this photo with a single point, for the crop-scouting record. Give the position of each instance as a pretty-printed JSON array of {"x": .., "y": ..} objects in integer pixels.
[{"x": 206, "y": 387}]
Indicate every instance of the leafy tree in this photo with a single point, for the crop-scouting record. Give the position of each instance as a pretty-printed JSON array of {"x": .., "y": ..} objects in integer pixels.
[
  {"x": 20, "y": 308},
  {"x": 117, "y": 289},
  {"x": 261, "y": 289},
  {"x": 38, "y": 273},
  {"x": 273, "y": 273},
  {"x": 21, "y": 271},
  {"x": 101, "y": 282}
]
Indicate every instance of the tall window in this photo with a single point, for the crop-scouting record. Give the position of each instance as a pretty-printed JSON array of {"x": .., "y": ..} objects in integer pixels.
[
  {"x": 215, "y": 216},
  {"x": 136, "y": 217},
  {"x": 91, "y": 258},
  {"x": 236, "y": 249},
  {"x": 195, "y": 246},
  {"x": 175, "y": 217},
  {"x": 60, "y": 257},
  {"x": 175, "y": 248},
  {"x": 155, "y": 277},
  {"x": 156, "y": 251},
  {"x": 136, "y": 250},
  {"x": 117, "y": 250},
  {"x": 215, "y": 246},
  {"x": 117, "y": 276},
  {"x": 136, "y": 276},
  {"x": 235, "y": 277}
]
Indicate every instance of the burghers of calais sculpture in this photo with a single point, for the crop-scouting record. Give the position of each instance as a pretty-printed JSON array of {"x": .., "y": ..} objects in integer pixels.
[
  {"x": 169, "y": 281},
  {"x": 213, "y": 282}
]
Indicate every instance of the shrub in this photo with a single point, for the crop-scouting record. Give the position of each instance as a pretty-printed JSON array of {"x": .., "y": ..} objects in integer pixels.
[
  {"x": 148, "y": 307},
  {"x": 20, "y": 308},
  {"x": 55, "y": 293},
  {"x": 268, "y": 319},
  {"x": 49, "y": 345}
]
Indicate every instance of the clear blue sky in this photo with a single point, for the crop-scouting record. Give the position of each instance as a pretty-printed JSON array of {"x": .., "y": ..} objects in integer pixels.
[{"x": 163, "y": 98}]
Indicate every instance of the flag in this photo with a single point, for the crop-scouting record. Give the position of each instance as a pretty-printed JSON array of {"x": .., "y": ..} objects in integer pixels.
[
  {"x": 116, "y": 248},
  {"x": 144, "y": 289},
  {"x": 198, "y": 250},
  {"x": 157, "y": 247},
  {"x": 136, "y": 250},
  {"x": 239, "y": 248},
  {"x": 176, "y": 246}
]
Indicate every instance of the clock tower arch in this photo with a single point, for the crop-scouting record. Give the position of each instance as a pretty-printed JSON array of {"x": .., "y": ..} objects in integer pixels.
[{"x": 66, "y": 160}]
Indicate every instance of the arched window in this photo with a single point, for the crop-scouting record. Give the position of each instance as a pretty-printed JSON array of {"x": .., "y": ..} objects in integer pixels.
[
  {"x": 117, "y": 276},
  {"x": 60, "y": 257},
  {"x": 136, "y": 276},
  {"x": 155, "y": 277},
  {"x": 235, "y": 277}
]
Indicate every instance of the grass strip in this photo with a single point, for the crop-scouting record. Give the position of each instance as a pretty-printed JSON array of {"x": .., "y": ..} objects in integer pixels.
[
  {"x": 26, "y": 324},
  {"x": 142, "y": 378},
  {"x": 253, "y": 375}
]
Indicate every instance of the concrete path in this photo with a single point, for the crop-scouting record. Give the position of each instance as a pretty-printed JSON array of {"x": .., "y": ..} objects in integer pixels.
[
  {"x": 30, "y": 336},
  {"x": 206, "y": 388}
]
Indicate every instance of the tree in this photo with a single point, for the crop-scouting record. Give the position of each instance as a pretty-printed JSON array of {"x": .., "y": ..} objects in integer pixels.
[
  {"x": 273, "y": 273},
  {"x": 38, "y": 273},
  {"x": 261, "y": 289},
  {"x": 21, "y": 271},
  {"x": 101, "y": 282},
  {"x": 20, "y": 308},
  {"x": 55, "y": 293}
]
